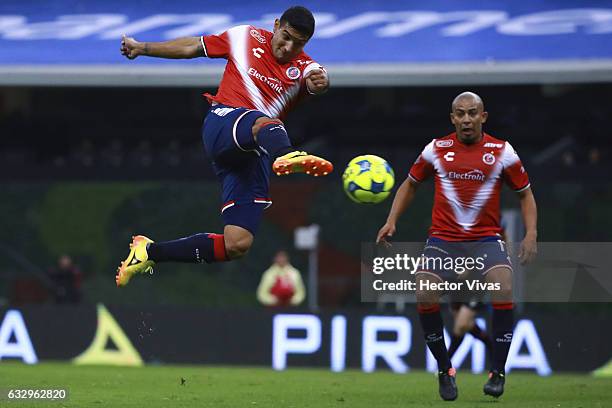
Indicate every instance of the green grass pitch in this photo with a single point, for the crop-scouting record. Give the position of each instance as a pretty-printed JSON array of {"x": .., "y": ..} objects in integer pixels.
[{"x": 160, "y": 386}]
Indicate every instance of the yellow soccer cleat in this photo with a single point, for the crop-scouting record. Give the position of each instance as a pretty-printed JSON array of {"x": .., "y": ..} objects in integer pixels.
[
  {"x": 301, "y": 162},
  {"x": 136, "y": 262}
]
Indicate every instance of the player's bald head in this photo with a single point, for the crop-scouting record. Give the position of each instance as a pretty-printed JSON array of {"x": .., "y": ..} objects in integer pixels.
[
  {"x": 468, "y": 115},
  {"x": 468, "y": 96}
]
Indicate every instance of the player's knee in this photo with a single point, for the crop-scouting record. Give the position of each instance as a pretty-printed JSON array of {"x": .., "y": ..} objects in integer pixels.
[
  {"x": 263, "y": 121},
  {"x": 237, "y": 248},
  {"x": 502, "y": 278},
  {"x": 503, "y": 294},
  {"x": 425, "y": 296}
]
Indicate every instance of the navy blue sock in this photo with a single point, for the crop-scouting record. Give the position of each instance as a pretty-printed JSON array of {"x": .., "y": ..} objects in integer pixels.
[
  {"x": 273, "y": 137},
  {"x": 483, "y": 336},
  {"x": 197, "y": 248},
  {"x": 503, "y": 320},
  {"x": 455, "y": 343},
  {"x": 477, "y": 332},
  {"x": 433, "y": 329}
]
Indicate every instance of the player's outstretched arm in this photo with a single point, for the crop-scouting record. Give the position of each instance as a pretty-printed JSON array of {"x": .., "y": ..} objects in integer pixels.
[
  {"x": 403, "y": 197},
  {"x": 181, "y": 48},
  {"x": 529, "y": 210}
]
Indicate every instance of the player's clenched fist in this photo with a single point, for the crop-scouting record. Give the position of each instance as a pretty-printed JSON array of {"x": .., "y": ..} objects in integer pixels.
[
  {"x": 317, "y": 81},
  {"x": 130, "y": 47}
]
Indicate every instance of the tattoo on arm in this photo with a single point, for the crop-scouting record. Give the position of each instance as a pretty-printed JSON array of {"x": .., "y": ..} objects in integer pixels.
[{"x": 146, "y": 48}]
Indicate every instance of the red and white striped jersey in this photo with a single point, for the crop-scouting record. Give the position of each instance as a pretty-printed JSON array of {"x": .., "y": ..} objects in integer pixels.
[
  {"x": 468, "y": 181},
  {"x": 253, "y": 78}
]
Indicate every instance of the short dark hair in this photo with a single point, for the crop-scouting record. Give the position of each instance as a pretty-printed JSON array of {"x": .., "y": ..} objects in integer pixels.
[{"x": 299, "y": 18}]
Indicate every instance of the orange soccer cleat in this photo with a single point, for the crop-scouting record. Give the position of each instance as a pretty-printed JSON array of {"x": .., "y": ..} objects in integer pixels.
[
  {"x": 136, "y": 262},
  {"x": 302, "y": 162}
]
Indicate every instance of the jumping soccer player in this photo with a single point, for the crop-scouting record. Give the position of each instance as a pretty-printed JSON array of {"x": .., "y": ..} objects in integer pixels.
[
  {"x": 469, "y": 167},
  {"x": 266, "y": 74}
]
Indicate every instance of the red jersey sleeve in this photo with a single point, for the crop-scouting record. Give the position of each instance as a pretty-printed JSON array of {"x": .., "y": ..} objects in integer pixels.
[
  {"x": 216, "y": 46},
  {"x": 423, "y": 166},
  {"x": 514, "y": 173}
]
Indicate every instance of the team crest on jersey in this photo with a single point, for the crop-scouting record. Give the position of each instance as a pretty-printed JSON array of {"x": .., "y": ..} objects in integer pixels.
[
  {"x": 488, "y": 158},
  {"x": 444, "y": 143},
  {"x": 257, "y": 35},
  {"x": 293, "y": 72}
]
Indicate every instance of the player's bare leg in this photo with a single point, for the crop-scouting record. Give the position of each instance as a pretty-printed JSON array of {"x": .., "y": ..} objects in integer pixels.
[
  {"x": 464, "y": 321},
  {"x": 503, "y": 321},
  {"x": 238, "y": 241},
  {"x": 271, "y": 135},
  {"x": 428, "y": 306}
]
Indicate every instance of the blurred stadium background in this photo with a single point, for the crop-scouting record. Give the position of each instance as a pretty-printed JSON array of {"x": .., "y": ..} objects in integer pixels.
[{"x": 95, "y": 148}]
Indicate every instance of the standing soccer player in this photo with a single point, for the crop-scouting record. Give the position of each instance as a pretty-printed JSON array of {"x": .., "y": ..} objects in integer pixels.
[
  {"x": 266, "y": 74},
  {"x": 469, "y": 167}
]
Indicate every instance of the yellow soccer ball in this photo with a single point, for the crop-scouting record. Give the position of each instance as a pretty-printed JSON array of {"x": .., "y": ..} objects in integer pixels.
[{"x": 368, "y": 179}]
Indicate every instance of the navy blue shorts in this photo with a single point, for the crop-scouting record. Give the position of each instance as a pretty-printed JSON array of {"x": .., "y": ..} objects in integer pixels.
[
  {"x": 475, "y": 303},
  {"x": 240, "y": 165},
  {"x": 452, "y": 260}
]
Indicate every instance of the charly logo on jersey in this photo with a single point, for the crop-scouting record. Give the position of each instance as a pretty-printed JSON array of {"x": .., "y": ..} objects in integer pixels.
[
  {"x": 506, "y": 339},
  {"x": 257, "y": 35},
  {"x": 450, "y": 156},
  {"x": 488, "y": 158},
  {"x": 444, "y": 143},
  {"x": 472, "y": 175},
  {"x": 257, "y": 52},
  {"x": 293, "y": 72}
]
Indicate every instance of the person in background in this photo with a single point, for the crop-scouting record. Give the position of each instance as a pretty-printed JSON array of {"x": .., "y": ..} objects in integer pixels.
[
  {"x": 66, "y": 277},
  {"x": 281, "y": 284}
]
